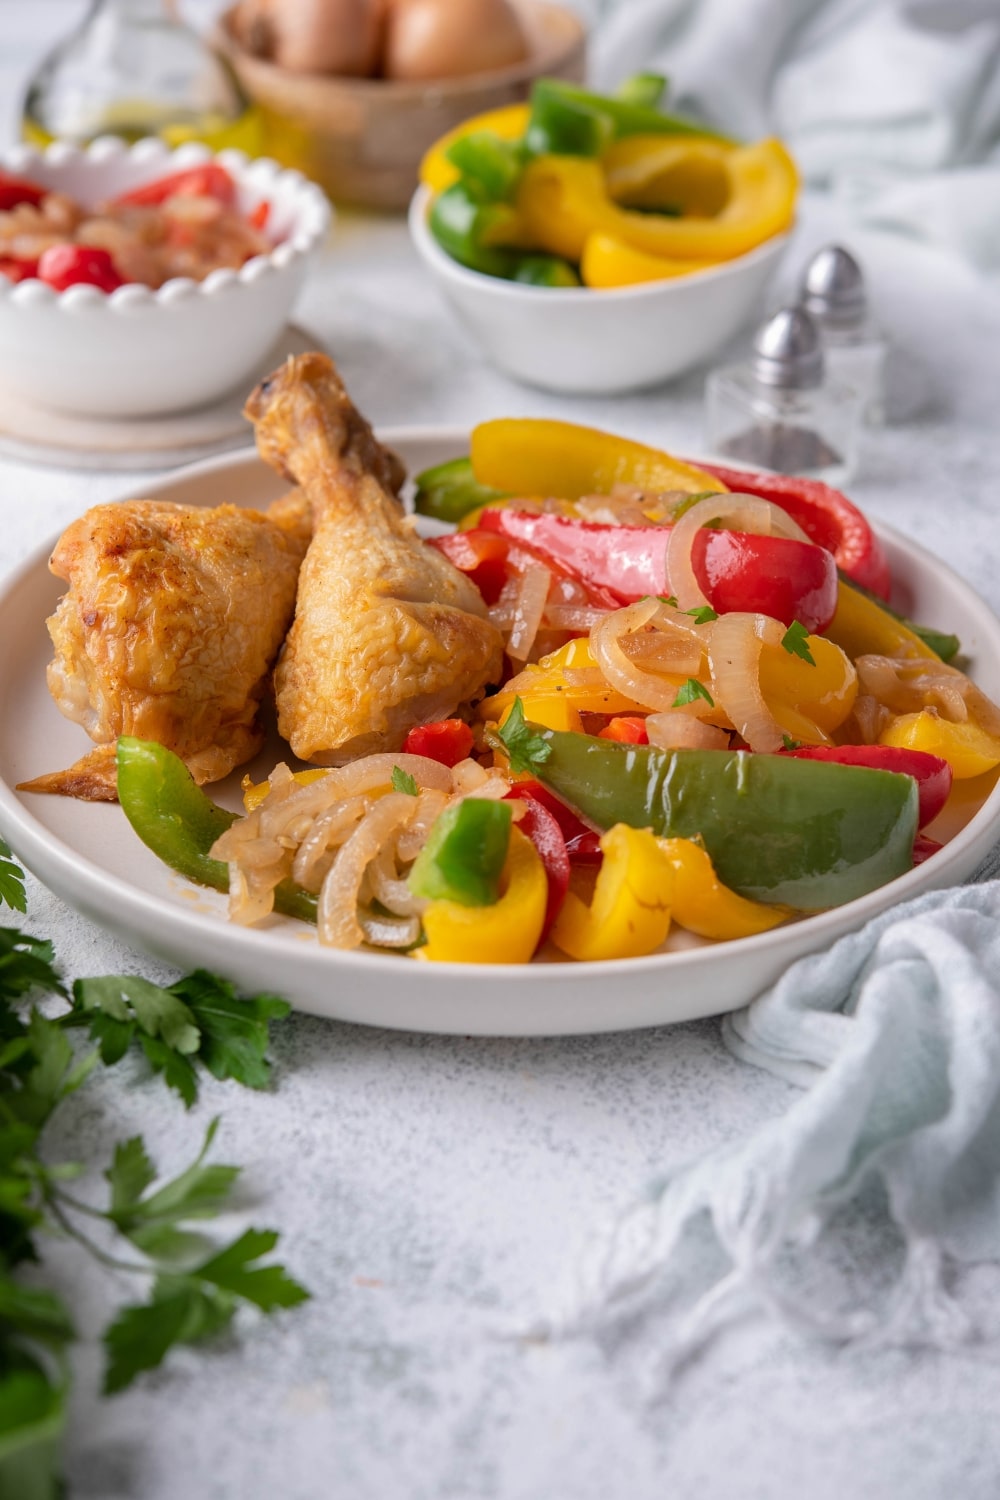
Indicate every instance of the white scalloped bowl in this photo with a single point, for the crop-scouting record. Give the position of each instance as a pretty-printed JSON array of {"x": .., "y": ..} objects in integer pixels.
[{"x": 138, "y": 352}]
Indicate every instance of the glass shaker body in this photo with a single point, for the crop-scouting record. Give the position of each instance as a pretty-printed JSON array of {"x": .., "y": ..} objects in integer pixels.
[
  {"x": 132, "y": 69},
  {"x": 856, "y": 356},
  {"x": 813, "y": 432}
]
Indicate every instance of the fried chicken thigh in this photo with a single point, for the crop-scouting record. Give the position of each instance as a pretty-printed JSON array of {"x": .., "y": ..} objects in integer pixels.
[
  {"x": 171, "y": 624},
  {"x": 387, "y": 633}
]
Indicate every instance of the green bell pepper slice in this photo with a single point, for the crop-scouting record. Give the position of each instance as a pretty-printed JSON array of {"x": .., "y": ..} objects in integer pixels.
[
  {"x": 450, "y": 491},
  {"x": 491, "y": 163},
  {"x": 465, "y": 853},
  {"x": 462, "y": 219},
  {"x": 570, "y": 121},
  {"x": 546, "y": 270},
  {"x": 179, "y": 823},
  {"x": 647, "y": 89},
  {"x": 798, "y": 833}
]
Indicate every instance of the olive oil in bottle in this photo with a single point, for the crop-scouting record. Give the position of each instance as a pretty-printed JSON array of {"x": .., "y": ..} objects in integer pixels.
[{"x": 132, "y": 68}]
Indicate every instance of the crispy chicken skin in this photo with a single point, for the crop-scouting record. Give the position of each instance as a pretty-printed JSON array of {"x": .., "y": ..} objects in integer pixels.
[
  {"x": 387, "y": 633},
  {"x": 168, "y": 631}
]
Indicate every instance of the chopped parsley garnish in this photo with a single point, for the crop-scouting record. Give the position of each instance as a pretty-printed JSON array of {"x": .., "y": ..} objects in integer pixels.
[
  {"x": 796, "y": 642},
  {"x": 787, "y": 743},
  {"x": 691, "y": 690},
  {"x": 524, "y": 746},
  {"x": 704, "y": 614},
  {"x": 402, "y": 781}
]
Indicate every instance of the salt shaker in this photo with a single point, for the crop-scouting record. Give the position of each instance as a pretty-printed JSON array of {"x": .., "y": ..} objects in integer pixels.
[
  {"x": 833, "y": 291},
  {"x": 777, "y": 411}
]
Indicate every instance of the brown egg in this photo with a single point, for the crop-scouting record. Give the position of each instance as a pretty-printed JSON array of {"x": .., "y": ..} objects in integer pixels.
[
  {"x": 312, "y": 36},
  {"x": 449, "y": 38}
]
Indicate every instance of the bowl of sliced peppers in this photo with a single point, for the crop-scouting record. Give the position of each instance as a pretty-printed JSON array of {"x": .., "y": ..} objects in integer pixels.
[{"x": 594, "y": 244}]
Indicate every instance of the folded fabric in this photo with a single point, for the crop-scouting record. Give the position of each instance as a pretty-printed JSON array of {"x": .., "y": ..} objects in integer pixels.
[
  {"x": 896, "y": 1032},
  {"x": 896, "y": 93}
]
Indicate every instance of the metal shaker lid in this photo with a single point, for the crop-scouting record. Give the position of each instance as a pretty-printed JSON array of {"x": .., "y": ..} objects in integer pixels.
[
  {"x": 788, "y": 352},
  {"x": 833, "y": 288}
]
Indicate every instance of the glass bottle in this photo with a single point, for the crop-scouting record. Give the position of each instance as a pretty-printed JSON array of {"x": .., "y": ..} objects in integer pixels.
[
  {"x": 777, "y": 412},
  {"x": 833, "y": 292},
  {"x": 133, "y": 68}
]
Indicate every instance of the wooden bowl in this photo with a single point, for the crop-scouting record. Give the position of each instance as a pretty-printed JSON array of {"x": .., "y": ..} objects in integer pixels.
[{"x": 362, "y": 139}]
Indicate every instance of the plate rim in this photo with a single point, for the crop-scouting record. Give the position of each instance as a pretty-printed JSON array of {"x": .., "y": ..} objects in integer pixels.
[{"x": 43, "y": 851}]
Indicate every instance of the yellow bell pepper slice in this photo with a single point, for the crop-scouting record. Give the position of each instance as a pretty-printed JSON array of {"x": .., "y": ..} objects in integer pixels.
[
  {"x": 702, "y": 904},
  {"x": 254, "y": 792},
  {"x": 967, "y": 747},
  {"x": 546, "y": 687},
  {"x": 656, "y": 171},
  {"x": 505, "y": 933},
  {"x": 533, "y": 456},
  {"x": 509, "y": 123},
  {"x": 861, "y": 628},
  {"x": 822, "y": 692},
  {"x": 550, "y": 710},
  {"x": 562, "y": 199},
  {"x": 609, "y": 262},
  {"x": 629, "y": 915}
]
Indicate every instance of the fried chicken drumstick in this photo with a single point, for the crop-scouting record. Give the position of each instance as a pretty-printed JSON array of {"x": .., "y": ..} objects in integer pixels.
[
  {"x": 168, "y": 631},
  {"x": 387, "y": 633}
]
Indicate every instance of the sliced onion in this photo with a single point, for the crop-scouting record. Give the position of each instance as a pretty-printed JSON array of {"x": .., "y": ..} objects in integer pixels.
[
  {"x": 389, "y": 932},
  {"x": 327, "y": 832},
  {"x": 412, "y": 838},
  {"x": 607, "y": 644},
  {"x": 734, "y": 659},
  {"x": 529, "y": 606},
  {"x": 911, "y": 684},
  {"x": 870, "y": 717},
  {"x": 574, "y": 617},
  {"x": 737, "y": 513},
  {"x": 677, "y": 730},
  {"x": 389, "y": 887},
  {"x": 337, "y": 922}
]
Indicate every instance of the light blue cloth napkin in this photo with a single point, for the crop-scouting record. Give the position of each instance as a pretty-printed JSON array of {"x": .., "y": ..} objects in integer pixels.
[{"x": 895, "y": 1033}]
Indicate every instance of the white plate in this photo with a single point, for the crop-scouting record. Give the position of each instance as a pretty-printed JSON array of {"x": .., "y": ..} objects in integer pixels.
[{"x": 88, "y": 854}]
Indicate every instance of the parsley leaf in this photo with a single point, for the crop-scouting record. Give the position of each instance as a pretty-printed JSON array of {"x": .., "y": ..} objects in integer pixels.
[
  {"x": 142, "y": 1335},
  {"x": 703, "y": 614},
  {"x": 198, "y": 1019},
  {"x": 525, "y": 748},
  {"x": 26, "y": 965},
  {"x": 402, "y": 781},
  {"x": 691, "y": 690},
  {"x": 796, "y": 642},
  {"x": 787, "y": 743},
  {"x": 11, "y": 881}
]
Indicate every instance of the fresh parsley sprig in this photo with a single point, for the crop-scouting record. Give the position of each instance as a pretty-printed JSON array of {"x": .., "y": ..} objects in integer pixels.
[
  {"x": 796, "y": 642},
  {"x": 526, "y": 748},
  {"x": 156, "y": 1232},
  {"x": 691, "y": 690}
]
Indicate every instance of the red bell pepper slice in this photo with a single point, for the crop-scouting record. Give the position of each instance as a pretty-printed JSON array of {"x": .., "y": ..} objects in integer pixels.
[
  {"x": 63, "y": 266},
  {"x": 209, "y": 180},
  {"x": 628, "y": 729},
  {"x": 491, "y": 559},
  {"x": 583, "y": 845},
  {"x": 447, "y": 741},
  {"x": 778, "y": 576},
  {"x": 15, "y": 190},
  {"x": 18, "y": 270},
  {"x": 931, "y": 773},
  {"x": 480, "y": 554},
  {"x": 825, "y": 515},
  {"x": 923, "y": 847},
  {"x": 543, "y": 829},
  {"x": 771, "y": 575}
]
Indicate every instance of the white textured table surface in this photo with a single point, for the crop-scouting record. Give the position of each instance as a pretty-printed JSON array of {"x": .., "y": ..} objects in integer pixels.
[{"x": 433, "y": 1194}]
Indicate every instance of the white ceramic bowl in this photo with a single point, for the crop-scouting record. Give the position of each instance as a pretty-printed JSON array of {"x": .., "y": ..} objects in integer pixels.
[
  {"x": 584, "y": 342},
  {"x": 138, "y": 352}
]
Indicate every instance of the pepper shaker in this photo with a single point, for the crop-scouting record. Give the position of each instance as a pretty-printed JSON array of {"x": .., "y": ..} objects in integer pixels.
[
  {"x": 776, "y": 411},
  {"x": 833, "y": 292}
]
